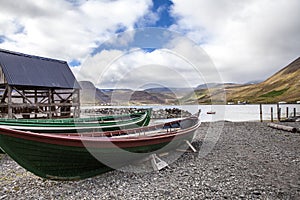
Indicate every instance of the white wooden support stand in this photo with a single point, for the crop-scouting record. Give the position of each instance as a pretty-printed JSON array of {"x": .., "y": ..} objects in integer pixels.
[
  {"x": 157, "y": 163},
  {"x": 191, "y": 146}
]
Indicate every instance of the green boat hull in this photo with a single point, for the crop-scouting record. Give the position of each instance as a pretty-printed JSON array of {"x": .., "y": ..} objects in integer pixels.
[
  {"x": 53, "y": 161},
  {"x": 51, "y": 158},
  {"x": 108, "y": 123},
  {"x": 67, "y": 163}
]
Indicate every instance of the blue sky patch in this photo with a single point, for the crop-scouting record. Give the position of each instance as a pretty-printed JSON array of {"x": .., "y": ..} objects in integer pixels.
[
  {"x": 147, "y": 39},
  {"x": 162, "y": 8},
  {"x": 148, "y": 50},
  {"x": 158, "y": 16},
  {"x": 2, "y": 39},
  {"x": 121, "y": 29},
  {"x": 20, "y": 29},
  {"x": 76, "y": 2},
  {"x": 74, "y": 63}
]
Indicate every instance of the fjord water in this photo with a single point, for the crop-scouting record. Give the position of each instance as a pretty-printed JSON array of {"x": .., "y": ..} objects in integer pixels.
[
  {"x": 235, "y": 113},
  {"x": 239, "y": 113},
  {"x": 250, "y": 112}
]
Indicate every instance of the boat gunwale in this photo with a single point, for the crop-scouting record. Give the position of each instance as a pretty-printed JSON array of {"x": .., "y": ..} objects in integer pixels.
[
  {"x": 96, "y": 142},
  {"x": 80, "y": 126},
  {"x": 72, "y": 121}
]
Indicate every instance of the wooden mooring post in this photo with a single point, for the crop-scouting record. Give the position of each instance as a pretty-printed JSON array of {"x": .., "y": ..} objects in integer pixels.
[
  {"x": 260, "y": 113},
  {"x": 278, "y": 112},
  {"x": 272, "y": 120}
]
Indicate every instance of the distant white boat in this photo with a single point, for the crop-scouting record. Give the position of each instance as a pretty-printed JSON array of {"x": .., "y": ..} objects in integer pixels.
[
  {"x": 282, "y": 102},
  {"x": 211, "y": 112}
]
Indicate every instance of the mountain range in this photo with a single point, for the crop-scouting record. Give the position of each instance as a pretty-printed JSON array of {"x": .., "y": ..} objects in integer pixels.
[{"x": 282, "y": 86}]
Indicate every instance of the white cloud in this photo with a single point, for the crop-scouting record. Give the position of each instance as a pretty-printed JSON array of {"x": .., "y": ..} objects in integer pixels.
[
  {"x": 136, "y": 68},
  {"x": 62, "y": 29},
  {"x": 247, "y": 40},
  {"x": 94, "y": 66},
  {"x": 180, "y": 63}
]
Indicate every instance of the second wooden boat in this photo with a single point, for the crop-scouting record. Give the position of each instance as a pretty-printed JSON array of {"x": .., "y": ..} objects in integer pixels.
[{"x": 99, "y": 124}]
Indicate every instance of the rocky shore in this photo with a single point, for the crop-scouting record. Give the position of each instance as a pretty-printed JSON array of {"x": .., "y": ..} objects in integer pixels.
[
  {"x": 249, "y": 161},
  {"x": 155, "y": 114}
]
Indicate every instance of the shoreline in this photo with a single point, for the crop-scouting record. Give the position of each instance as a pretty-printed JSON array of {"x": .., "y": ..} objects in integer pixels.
[{"x": 249, "y": 161}]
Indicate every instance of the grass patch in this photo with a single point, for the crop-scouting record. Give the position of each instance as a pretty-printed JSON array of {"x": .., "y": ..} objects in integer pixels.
[{"x": 275, "y": 93}]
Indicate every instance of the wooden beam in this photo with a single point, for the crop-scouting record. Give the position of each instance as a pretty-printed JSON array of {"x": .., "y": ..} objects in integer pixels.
[
  {"x": 25, "y": 98},
  {"x": 61, "y": 98},
  {"x": 15, "y": 105},
  {"x": 4, "y": 94},
  {"x": 283, "y": 127},
  {"x": 43, "y": 100},
  {"x": 36, "y": 100}
]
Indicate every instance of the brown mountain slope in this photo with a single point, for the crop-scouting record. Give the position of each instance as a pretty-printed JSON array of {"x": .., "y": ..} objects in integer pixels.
[
  {"x": 282, "y": 86},
  {"x": 90, "y": 95}
]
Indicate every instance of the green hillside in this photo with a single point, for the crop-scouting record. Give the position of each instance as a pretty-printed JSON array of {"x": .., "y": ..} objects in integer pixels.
[{"x": 282, "y": 86}]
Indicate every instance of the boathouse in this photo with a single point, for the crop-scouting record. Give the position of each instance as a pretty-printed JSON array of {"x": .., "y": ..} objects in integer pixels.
[{"x": 34, "y": 87}]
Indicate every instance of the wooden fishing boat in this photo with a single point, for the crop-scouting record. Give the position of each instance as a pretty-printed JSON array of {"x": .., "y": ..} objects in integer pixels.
[
  {"x": 78, "y": 156},
  {"x": 71, "y": 125},
  {"x": 70, "y": 120}
]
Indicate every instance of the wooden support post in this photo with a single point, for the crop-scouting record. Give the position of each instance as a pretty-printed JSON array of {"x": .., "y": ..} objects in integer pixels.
[
  {"x": 191, "y": 146},
  {"x": 294, "y": 112},
  {"x": 35, "y": 102},
  {"x": 287, "y": 112},
  {"x": 157, "y": 163},
  {"x": 24, "y": 99},
  {"x": 9, "y": 99},
  {"x": 4, "y": 94},
  {"x": 272, "y": 114},
  {"x": 50, "y": 103},
  {"x": 260, "y": 113}
]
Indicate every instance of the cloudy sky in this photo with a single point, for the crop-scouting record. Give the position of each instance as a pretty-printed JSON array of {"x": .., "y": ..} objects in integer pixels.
[{"x": 137, "y": 44}]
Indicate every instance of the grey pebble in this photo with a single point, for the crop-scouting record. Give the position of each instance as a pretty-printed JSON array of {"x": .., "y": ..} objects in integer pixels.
[{"x": 249, "y": 161}]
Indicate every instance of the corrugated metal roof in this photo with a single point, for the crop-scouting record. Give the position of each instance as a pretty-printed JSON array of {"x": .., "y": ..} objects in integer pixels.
[{"x": 28, "y": 70}]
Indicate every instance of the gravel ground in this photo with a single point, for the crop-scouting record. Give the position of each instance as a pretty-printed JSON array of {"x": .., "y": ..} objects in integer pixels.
[{"x": 249, "y": 161}]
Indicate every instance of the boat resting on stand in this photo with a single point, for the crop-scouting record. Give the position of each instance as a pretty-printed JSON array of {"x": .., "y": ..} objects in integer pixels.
[
  {"x": 78, "y": 156},
  {"x": 73, "y": 125}
]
